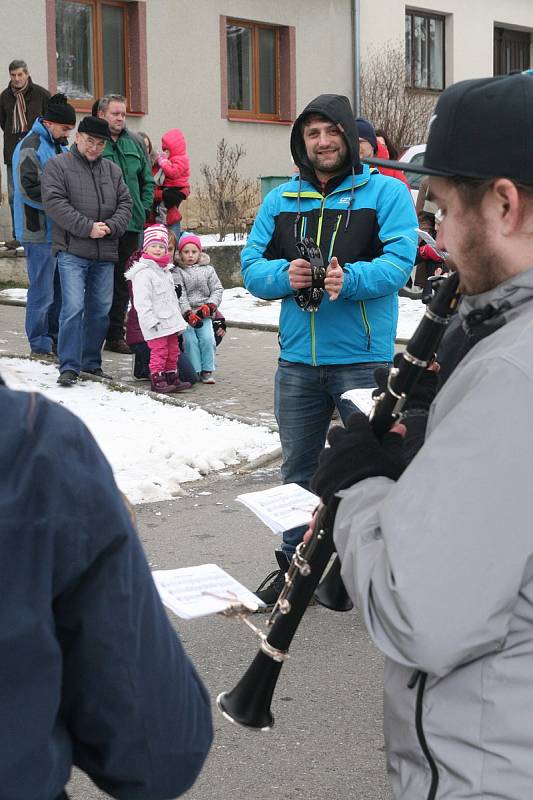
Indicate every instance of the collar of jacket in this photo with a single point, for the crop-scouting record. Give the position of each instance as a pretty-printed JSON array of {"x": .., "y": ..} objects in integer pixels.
[
  {"x": 309, "y": 190},
  {"x": 499, "y": 305},
  {"x": 44, "y": 132},
  {"x": 74, "y": 150},
  {"x": 28, "y": 87}
]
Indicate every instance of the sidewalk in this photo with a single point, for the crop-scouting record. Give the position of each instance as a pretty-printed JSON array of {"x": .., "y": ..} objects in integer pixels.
[{"x": 246, "y": 364}]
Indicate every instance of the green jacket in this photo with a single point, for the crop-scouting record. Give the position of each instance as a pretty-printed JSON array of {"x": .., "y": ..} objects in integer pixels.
[{"x": 127, "y": 154}]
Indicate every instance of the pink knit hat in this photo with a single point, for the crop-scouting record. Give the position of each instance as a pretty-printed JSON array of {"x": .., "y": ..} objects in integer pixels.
[
  {"x": 189, "y": 238},
  {"x": 155, "y": 234}
]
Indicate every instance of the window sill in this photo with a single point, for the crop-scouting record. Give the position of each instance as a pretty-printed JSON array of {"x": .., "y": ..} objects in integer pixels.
[
  {"x": 260, "y": 121},
  {"x": 418, "y": 90}
]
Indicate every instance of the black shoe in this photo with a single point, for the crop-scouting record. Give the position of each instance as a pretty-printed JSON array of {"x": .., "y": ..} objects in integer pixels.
[
  {"x": 269, "y": 590},
  {"x": 119, "y": 346},
  {"x": 68, "y": 378},
  {"x": 99, "y": 372}
]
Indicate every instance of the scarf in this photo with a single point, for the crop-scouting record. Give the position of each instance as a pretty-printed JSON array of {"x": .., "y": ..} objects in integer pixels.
[
  {"x": 20, "y": 123},
  {"x": 162, "y": 261}
]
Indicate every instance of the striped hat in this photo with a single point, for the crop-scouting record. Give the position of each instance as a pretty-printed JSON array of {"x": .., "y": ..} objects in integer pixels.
[{"x": 155, "y": 234}]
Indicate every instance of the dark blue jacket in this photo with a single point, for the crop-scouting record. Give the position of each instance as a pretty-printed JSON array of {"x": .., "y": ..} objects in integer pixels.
[{"x": 91, "y": 672}]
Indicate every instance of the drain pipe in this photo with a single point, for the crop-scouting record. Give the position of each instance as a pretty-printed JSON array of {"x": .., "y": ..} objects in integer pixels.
[{"x": 356, "y": 29}]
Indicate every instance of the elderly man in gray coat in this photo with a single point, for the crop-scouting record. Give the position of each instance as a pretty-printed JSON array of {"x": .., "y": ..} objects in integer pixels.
[{"x": 90, "y": 207}]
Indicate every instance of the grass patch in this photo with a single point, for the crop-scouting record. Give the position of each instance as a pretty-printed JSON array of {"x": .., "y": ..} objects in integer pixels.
[{"x": 12, "y": 285}]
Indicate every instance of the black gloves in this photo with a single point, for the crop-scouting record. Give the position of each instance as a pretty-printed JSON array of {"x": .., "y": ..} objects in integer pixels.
[
  {"x": 355, "y": 454},
  {"x": 423, "y": 393},
  {"x": 178, "y": 290}
]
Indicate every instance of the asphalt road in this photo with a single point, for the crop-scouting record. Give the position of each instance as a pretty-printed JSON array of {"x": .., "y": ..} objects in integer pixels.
[{"x": 327, "y": 740}]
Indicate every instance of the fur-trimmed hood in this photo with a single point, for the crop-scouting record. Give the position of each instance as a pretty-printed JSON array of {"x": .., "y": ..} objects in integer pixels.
[
  {"x": 144, "y": 263},
  {"x": 202, "y": 261}
]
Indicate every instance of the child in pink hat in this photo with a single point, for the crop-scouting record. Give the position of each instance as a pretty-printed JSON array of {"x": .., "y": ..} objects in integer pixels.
[
  {"x": 158, "y": 309},
  {"x": 200, "y": 298}
]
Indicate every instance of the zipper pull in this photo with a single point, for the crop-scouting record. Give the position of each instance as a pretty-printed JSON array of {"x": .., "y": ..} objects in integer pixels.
[{"x": 413, "y": 680}]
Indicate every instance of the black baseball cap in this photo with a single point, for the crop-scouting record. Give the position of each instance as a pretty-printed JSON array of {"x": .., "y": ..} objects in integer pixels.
[
  {"x": 97, "y": 127},
  {"x": 481, "y": 129}
]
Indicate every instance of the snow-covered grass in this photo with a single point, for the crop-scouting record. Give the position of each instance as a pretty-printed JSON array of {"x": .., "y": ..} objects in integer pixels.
[
  {"x": 152, "y": 447},
  {"x": 238, "y": 305}
]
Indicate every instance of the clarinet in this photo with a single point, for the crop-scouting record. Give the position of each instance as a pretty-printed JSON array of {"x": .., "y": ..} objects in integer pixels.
[{"x": 248, "y": 703}]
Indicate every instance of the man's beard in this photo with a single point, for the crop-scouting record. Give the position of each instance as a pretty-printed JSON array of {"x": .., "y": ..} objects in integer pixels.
[
  {"x": 485, "y": 270},
  {"x": 334, "y": 167}
]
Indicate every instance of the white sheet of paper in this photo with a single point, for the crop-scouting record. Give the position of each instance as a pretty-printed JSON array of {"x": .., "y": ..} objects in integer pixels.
[
  {"x": 362, "y": 398},
  {"x": 192, "y": 592},
  {"x": 281, "y": 507}
]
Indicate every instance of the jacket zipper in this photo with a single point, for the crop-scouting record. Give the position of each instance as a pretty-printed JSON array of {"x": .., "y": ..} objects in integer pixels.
[
  {"x": 421, "y": 678},
  {"x": 313, "y": 330},
  {"x": 99, "y": 208},
  {"x": 366, "y": 323}
]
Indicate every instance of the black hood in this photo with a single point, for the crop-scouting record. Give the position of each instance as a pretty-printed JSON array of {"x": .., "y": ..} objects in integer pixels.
[{"x": 337, "y": 108}]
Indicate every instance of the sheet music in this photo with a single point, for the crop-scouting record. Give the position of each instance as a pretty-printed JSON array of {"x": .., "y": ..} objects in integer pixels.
[
  {"x": 281, "y": 507},
  {"x": 362, "y": 398},
  {"x": 192, "y": 592}
]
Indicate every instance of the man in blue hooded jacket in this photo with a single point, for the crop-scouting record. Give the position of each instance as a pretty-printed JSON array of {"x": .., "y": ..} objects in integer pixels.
[
  {"x": 93, "y": 674},
  {"x": 45, "y": 139},
  {"x": 364, "y": 224}
]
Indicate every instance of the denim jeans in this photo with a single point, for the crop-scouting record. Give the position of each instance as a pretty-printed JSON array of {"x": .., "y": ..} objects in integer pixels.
[
  {"x": 176, "y": 229},
  {"x": 200, "y": 346},
  {"x": 304, "y": 400},
  {"x": 11, "y": 195},
  {"x": 87, "y": 289},
  {"x": 44, "y": 296}
]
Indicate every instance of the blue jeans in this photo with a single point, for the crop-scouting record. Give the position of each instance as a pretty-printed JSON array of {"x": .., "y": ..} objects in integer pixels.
[
  {"x": 44, "y": 295},
  {"x": 304, "y": 400},
  {"x": 199, "y": 346},
  {"x": 87, "y": 288},
  {"x": 11, "y": 195},
  {"x": 176, "y": 229}
]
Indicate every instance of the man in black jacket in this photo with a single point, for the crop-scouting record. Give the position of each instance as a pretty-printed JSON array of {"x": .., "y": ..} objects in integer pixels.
[
  {"x": 20, "y": 105},
  {"x": 90, "y": 206}
]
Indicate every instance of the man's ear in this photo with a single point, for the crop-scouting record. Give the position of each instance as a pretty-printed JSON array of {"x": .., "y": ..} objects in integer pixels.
[{"x": 507, "y": 205}]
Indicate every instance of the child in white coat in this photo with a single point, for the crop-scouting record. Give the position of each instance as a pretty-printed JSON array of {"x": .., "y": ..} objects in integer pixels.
[{"x": 158, "y": 310}]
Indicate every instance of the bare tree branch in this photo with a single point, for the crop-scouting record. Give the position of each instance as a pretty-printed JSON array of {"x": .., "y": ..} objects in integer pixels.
[{"x": 386, "y": 102}]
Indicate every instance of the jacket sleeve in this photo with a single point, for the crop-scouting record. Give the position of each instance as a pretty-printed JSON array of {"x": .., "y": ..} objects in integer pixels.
[
  {"x": 143, "y": 299},
  {"x": 146, "y": 182},
  {"x": 122, "y": 215},
  {"x": 397, "y": 223},
  {"x": 176, "y": 168},
  {"x": 266, "y": 279},
  {"x": 136, "y": 711},
  {"x": 437, "y": 578},
  {"x": 29, "y": 174},
  {"x": 216, "y": 290},
  {"x": 56, "y": 203}
]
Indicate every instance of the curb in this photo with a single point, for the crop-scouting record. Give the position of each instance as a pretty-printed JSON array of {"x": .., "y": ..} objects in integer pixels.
[{"x": 118, "y": 386}]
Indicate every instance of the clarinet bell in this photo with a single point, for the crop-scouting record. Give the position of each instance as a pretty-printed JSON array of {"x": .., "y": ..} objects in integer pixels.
[{"x": 331, "y": 592}]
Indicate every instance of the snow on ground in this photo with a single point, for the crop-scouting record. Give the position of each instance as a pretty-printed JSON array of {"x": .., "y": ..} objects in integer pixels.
[
  {"x": 152, "y": 447},
  {"x": 238, "y": 305}
]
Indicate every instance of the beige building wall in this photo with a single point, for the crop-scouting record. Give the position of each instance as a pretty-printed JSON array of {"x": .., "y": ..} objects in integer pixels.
[
  {"x": 184, "y": 81},
  {"x": 469, "y": 29}
]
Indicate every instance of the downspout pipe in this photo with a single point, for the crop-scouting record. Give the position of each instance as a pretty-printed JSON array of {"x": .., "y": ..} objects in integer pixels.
[{"x": 356, "y": 35}]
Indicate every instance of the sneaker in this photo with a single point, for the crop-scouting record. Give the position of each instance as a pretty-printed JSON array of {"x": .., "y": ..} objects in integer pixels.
[
  {"x": 206, "y": 377},
  {"x": 68, "y": 378},
  {"x": 50, "y": 358},
  {"x": 118, "y": 347},
  {"x": 268, "y": 590},
  {"x": 99, "y": 372}
]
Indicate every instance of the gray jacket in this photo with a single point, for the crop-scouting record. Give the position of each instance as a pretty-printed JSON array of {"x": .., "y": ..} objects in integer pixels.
[
  {"x": 76, "y": 194},
  {"x": 200, "y": 284},
  {"x": 445, "y": 583}
]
